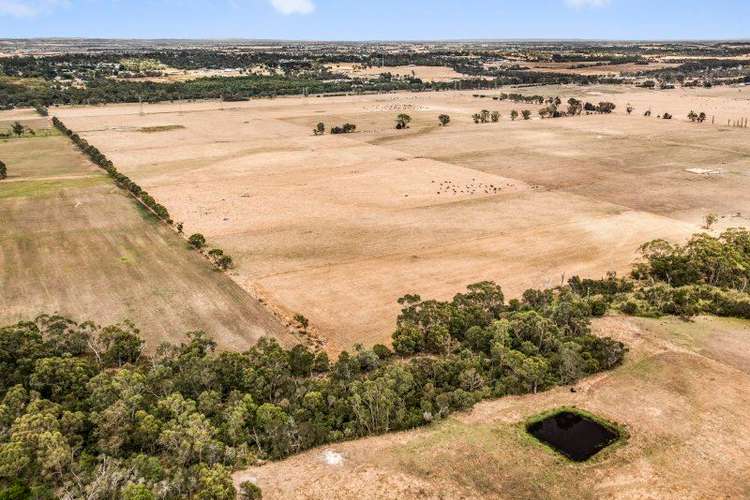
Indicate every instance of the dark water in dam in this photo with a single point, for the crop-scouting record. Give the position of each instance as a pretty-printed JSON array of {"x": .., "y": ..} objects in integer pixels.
[{"x": 573, "y": 435}]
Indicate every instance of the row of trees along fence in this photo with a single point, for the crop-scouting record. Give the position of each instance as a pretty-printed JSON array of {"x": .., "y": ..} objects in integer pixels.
[
  {"x": 122, "y": 180},
  {"x": 217, "y": 256}
]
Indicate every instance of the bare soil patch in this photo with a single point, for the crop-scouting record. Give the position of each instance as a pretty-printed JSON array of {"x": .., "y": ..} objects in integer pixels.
[{"x": 425, "y": 73}]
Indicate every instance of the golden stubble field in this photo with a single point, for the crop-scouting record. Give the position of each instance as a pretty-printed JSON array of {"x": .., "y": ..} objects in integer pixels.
[
  {"x": 426, "y": 73},
  {"x": 575, "y": 68},
  {"x": 72, "y": 243},
  {"x": 339, "y": 227}
]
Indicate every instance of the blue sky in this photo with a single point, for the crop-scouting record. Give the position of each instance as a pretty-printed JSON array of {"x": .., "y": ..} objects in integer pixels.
[{"x": 377, "y": 19}]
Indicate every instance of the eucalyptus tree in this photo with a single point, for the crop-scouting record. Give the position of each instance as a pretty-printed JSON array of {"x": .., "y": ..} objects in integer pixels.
[{"x": 402, "y": 121}]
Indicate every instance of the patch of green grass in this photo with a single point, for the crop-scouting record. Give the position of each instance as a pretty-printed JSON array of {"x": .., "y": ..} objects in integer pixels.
[
  {"x": 32, "y": 83},
  {"x": 696, "y": 334},
  {"x": 45, "y": 187},
  {"x": 146, "y": 214},
  {"x": 159, "y": 128},
  {"x": 451, "y": 430},
  {"x": 495, "y": 460},
  {"x": 38, "y": 134},
  {"x": 644, "y": 368},
  {"x": 449, "y": 441},
  {"x": 686, "y": 334}
]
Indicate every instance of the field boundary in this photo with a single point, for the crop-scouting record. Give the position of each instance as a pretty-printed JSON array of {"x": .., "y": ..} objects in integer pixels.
[{"x": 310, "y": 334}]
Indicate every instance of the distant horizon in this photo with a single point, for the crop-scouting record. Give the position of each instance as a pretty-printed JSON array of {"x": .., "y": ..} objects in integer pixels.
[
  {"x": 386, "y": 20},
  {"x": 384, "y": 40}
]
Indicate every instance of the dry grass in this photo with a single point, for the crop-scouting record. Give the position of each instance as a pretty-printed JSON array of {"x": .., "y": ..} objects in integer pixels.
[
  {"x": 594, "y": 69},
  {"x": 338, "y": 227},
  {"x": 70, "y": 242},
  {"x": 426, "y": 73},
  {"x": 685, "y": 412}
]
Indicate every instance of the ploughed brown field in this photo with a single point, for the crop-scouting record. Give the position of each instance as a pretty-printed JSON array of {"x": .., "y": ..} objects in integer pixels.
[{"x": 338, "y": 227}]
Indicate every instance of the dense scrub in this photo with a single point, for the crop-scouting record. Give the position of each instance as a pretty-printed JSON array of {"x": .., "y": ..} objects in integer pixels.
[
  {"x": 290, "y": 68},
  {"x": 722, "y": 261},
  {"x": 228, "y": 88},
  {"x": 705, "y": 72},
  {"x": 709, "y": 274},
  {"x": 85, "y": 412}
]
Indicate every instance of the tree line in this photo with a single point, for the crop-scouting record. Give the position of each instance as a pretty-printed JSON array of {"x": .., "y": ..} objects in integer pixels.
[
  {"x": 106, "y": 90},
  {"x": 84, "y": 411},
  {"x": 551, "y": 110},
  {"x": 522, "y": 98},
  {"x": 707, "y": 275},
  {"x": 41, "y": 110},
  {"x": 216, "y": 255},
  {"x": 122, "y": 180}
]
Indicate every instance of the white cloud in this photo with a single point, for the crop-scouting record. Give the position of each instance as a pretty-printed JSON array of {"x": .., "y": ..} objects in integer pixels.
[
  {"x": 29, "y": 8},
  {"x": 16, "y": 9},
  {"x": 580, "y": 4},
  {"x": 287, "y": 7}
]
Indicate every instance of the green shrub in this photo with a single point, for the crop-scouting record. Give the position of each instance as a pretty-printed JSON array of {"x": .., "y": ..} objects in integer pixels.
[
  {"x": 197, "y": 240},
  {"x": 598, "y": 305},
  {"x": 137, "y": 492},
  {"x": 250, "y": 491}
]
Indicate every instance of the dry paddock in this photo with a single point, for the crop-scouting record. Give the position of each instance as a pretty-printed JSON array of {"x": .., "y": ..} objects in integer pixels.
[
  {"x": 72, "y": 243},
  {"x": 339, "y": 227},
  {"x": 682, "y": 396}
]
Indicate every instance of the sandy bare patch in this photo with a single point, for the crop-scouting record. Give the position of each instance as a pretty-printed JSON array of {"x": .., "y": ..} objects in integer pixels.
[
  {"x": 703, "y": 171},
  {"x": 426, "y": 73}
]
